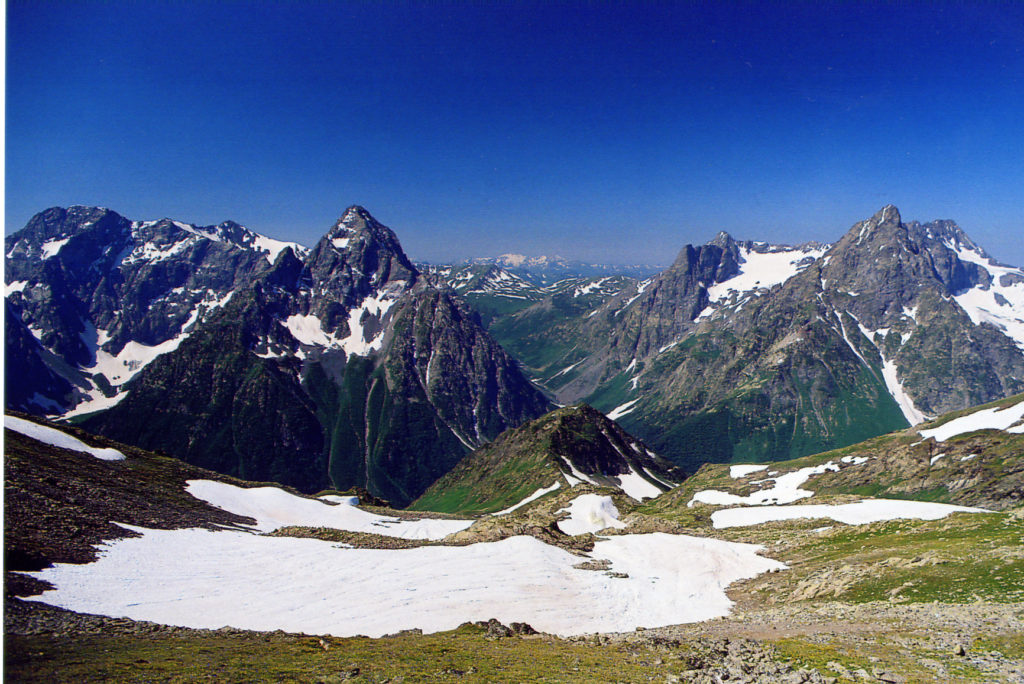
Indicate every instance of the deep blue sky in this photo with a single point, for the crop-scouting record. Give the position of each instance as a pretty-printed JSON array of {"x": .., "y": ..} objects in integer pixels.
[{"x": 593, "y": 130}]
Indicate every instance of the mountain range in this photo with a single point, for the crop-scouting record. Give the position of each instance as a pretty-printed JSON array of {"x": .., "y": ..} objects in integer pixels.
[
  {"x": 349, "y": 365},
  {"x": 749, "y": 351},
  {"x": 340, "y": 365}
]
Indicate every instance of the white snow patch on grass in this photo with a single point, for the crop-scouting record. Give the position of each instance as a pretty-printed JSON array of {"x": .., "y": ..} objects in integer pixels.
[
  {"x": 860, "y": 513},
  {"x": 273, "y": 508},
  {"x": 935, "y": 458},
  {"x": 265, "y": 583},
  {"x": 785, "y": 490},
  {"x": 54, "y": 437},
  {"x": 986, "y": 419},
  {"x": 532, "y": 497},
  {"x": 590, "y": 513},
  {"x": 738, "y": 471}
]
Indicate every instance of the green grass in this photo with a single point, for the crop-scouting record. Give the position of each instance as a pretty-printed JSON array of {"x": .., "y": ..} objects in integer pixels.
[
  {"x": 963, "y": 558},
  {"x": 464, "y": 654}
]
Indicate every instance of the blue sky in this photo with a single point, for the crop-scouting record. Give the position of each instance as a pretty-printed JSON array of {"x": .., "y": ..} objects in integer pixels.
[{"x": 601, "y": 131}]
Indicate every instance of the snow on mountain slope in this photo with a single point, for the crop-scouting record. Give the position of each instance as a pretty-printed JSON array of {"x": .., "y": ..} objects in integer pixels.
[
  {"x": 761, "y": 270},
  {"x": 999, "y": 303},
  {"x": 48, "y": 435}
]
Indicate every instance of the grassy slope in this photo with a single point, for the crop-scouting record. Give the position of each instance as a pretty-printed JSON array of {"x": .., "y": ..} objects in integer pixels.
[{"x": 898, "y": 596}]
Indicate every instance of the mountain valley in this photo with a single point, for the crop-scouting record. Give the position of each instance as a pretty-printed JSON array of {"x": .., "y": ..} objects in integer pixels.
[{"x": 763, "y": 463}]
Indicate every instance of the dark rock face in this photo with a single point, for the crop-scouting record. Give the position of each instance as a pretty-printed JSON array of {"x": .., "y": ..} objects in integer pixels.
[
  {"x": 333, "y": 367},
  {"x": 92, "y": 282}
]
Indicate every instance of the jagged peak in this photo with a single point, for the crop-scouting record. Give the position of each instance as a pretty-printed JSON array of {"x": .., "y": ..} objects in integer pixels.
[
  {"x": 888, "y": 213},
  {"x": 355, "y": 217},
  {"x": 723, "y": 240}
]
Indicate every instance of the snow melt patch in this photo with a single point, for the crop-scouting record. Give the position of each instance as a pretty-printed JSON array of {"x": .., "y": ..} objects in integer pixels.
[
  {"x": 265, "y": 583},
  {"x": 16, "y": 286},
  {"x": 52, "y": 247},
  {"x": 986, "y": 419},
  {"x": 54, "y": 437},
  {"x": 903, "y": 400},
  {"x": 274, "y": 508},
  {"x": 308, "y": 330},
  {"x": 121, "y": 367},
  {"x": 860, "y": 513},
  {"x": 636, "y": 486},
  {"x": 785, "y": 490},
  {"x": 532, "y": 497},
  {"x": 590, "y": 513},
  {"x": 274, "y": 247},
  {"x": 997, "y": 304},
  {"x": 738, "y": 471},
  {"x": 622, "y": 409},
  {"x": 762, "y": 270}
]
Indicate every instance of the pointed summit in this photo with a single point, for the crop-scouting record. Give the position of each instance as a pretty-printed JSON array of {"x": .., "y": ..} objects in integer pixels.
[
  {"x": 358, "y": 256},
  {"x": 723, "y": 240},
  {"x": 889, "y": 213}
]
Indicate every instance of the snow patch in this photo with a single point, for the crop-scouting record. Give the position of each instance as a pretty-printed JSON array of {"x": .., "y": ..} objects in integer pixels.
[
  {"x": 903, "y": 400},
  {"x": 51, "y": 248},
  {"x": 738, "y": 471},
  {"x": 54, "y": 437},
  {"x": 533, "y": 497},
  {"x": 860, "y": 513},
  {"x": 986, "y": 419},
  {"x": 622, "y": 409},
  {"x": 265, "y": 583},
  {"x": 308, "y": 330},
  {"x": 274, "y": 508},
  {"x": 590, "y": 513},
  {"x": 762, "y": 270},
  {"x": 16, "y": 286}
]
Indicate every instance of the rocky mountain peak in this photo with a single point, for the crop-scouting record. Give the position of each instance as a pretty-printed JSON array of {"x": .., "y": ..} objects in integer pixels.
[
  {"x": 887, "y": 214},
  {"x": 723, "y": 240},
  {"x": 355, "y": 219}
]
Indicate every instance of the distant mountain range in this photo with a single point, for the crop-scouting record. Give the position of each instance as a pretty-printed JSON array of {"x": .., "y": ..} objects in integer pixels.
[{"x": 546, "y": 270}]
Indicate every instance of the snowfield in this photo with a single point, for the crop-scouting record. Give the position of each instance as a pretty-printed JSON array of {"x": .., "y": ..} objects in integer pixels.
[
  {"x": 48, "y": 435},
  {"x": 274, "y": 508},
  {"x": 208, "y": 579},
  {"x": 860, "y": 513}
]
